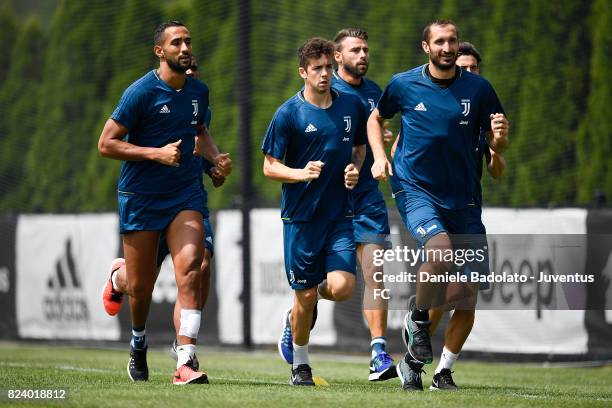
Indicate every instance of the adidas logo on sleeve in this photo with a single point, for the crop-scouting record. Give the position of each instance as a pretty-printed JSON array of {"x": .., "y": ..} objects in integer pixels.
[
  {"x": 164, "y": 109},
  {"x": 420, "y": 107}
]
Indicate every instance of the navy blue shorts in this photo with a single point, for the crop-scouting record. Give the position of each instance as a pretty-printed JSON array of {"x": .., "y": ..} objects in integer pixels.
[
  {"x": 163, "y": 251},
  {"x": 371, "y": 221},
  {"x": 424, "y": 219},
  {"x": 314, "y": 248},
  {"x": 153, "y": 213}
]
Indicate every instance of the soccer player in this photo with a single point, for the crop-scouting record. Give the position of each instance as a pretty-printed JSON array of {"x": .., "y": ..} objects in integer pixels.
[
  {"x": 161, "y": 118},
  {"x": 117, "y": 269},
  {"x": 315, "y": 145},
  {"x": 443, "y": 110},
  {"x": 462, "y": 320},
  {"x": 370, "y": 222}
]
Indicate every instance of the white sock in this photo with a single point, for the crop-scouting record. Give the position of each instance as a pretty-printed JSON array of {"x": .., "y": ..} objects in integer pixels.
[
  {"x": 184, "y": 354},
  {"x": 300, "y": 355},
  {"x": 447, "y": 359},
  {"x": 114, "y": 280}
]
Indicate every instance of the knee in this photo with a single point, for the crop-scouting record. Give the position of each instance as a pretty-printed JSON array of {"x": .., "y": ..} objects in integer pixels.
[
  {"x": 189, "y": 265},
  {"x": 441, "y": 267},
  {"x": 342, "y": 291},
  {"x": 372, "y": 277},
  {"x": 307, "y": 298}
]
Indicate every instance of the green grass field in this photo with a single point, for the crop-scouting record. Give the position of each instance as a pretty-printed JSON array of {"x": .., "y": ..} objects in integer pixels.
[{"x": 97, "y": 377}]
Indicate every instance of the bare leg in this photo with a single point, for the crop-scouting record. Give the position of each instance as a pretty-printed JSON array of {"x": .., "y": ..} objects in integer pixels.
[
  {"x": 338, "y": 286},
  {"x": 138, "y": 280},
  {"x": 205, "y": 287},
  {"x": 184, "y": 237},
  {"x": 430, "y": 294},
  {"x": 301, "y": 315},
  {"x": 458, "y": 330},
  {"x": 375, "y": 308},
  {"x": 435, "y": 315}
]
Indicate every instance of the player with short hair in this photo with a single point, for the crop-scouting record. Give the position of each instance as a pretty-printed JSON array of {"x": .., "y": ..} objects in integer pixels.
[
  {"x": 370, "y": 222},
  {"x": 462, "y": 320},
  {"x": 443, "y": 110},
  {"x": 117, "y": 269},
  {"x": 161, "y": 118},
  {"x": 315, "y": 145}
]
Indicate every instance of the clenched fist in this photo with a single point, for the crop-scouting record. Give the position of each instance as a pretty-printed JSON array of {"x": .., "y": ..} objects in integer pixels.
[
  {"x": 170, "y": 154},
  {"x": 351, "y": 176},
  {"x": 311, "y": 171}
]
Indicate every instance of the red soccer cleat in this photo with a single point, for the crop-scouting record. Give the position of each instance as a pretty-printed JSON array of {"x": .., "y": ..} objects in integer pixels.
[
  {"x": 111, "y": 298},
  {"x": 185, "y": 374}
]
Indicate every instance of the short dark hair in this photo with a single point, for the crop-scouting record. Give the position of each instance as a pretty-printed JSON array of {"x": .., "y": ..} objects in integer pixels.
[
  {"x": 158, "y": 37},
  {"x": 314, "y": 48},
  {"x": 427, "y": 30},
  {"x": 467, "y": 48},
  {"x": 350, "y": 32}
]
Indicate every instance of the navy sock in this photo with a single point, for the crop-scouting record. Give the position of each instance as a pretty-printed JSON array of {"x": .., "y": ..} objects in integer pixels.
[{"x": 139, "y": 340}]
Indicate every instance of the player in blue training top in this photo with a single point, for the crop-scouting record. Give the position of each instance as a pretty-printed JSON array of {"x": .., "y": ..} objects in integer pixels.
[
  {"x": 443, "y": 110},
  {"x": 315, "y": 145},
  {"x": 462, "y": 320},
  {"x": 161, "y": 118},
  {"x": 370, "y": 221},
  {"x": 117, "y": 268}
]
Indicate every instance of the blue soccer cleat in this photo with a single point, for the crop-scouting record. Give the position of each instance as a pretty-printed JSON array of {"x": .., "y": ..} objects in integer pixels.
[
  {"x": 382, "y": 368},
  {"x": 285, "y": 342}
]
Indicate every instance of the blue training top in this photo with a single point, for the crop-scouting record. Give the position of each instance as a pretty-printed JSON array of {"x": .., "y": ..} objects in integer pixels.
[
  {"x": 369, "y": 93},
  {"x": 440, "y": 129},
  {"x": 301, "y": 132},
  {"x": 156, "y": 114}
]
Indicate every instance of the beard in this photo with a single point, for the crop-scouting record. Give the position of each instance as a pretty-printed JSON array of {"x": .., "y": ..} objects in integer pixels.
[
  {"x": 176, "y": 66},
  {"x": 436, "y": 61},
  {"x": 356, "y": 70}
]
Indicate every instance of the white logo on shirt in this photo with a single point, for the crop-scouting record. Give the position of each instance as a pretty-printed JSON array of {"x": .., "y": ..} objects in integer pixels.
[
  {"x": 164, "y": 109},
  {"x": 420, "y": 107},
  {"x": 466, "y": 107},
  {"x": 465, "y": 122},
  {"x": 371, "y": 102},
  {"x": 310, "y": 128},
  {"x": 347, "y": 121},
  {"x": 194, "y": 103}
]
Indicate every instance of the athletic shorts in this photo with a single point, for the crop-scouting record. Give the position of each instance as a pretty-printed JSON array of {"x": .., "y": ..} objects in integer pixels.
[
  {"x": 153, "y": 213},
  {"x": 314, "y": 248},
  {"x": 371, "y": 221},
  {"x": 424, "y": 219},
  {"x": 163, "y": 251}
]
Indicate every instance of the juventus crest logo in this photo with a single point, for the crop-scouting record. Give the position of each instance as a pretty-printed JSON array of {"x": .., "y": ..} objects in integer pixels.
[
  {"x": 466, "y": 107},
  {"x": 347, "y": 121},
  {"x": 371, "y": 102},
  {"x": 194, "y": 103}
]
